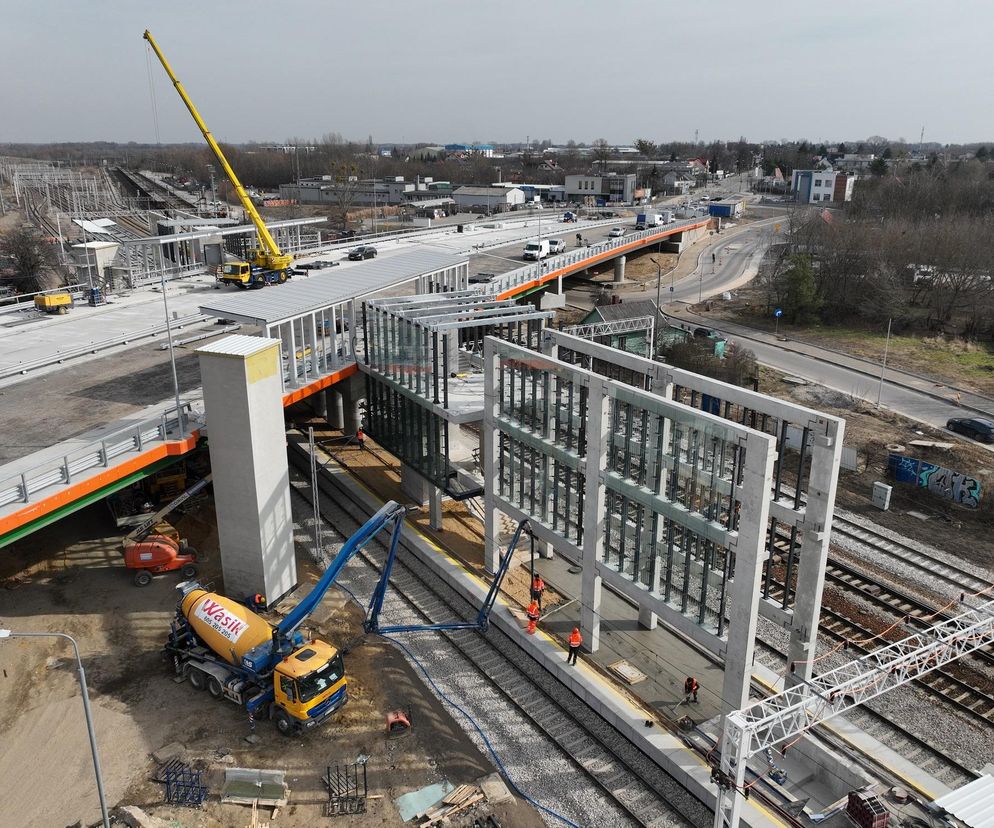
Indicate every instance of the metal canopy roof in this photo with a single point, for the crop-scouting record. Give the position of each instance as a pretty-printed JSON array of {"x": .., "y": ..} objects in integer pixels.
[
  {"x": 206, "y": 230},
  {"x": 973, "y": 804},
  {"x": 273, "y": 305}
]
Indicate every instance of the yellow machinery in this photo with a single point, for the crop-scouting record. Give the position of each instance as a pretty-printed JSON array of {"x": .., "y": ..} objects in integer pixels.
[
  {"x": 53, "y": 302},
  {"x": 269, "y": 264}
]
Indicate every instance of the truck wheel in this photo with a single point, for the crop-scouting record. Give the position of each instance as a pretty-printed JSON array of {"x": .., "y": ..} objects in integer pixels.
[
  {"x": 189, "y": 571},
  {"x": 214, "y": 687},
  {"x": 198, "y": 679},
  {"x": 143, "y": 577},
  {"x": 283, "y": 723},
  {"x": 282, "y": 277}
]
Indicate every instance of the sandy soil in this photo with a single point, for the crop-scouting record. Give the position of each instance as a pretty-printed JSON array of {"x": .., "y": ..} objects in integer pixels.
[{"x": 69, "y": 578}]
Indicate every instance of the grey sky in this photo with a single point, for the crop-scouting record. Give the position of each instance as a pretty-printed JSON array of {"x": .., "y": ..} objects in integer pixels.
[{"x": 459, "y": 70}]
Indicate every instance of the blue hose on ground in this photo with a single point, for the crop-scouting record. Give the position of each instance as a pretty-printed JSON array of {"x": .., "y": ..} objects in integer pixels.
[{"x": 476, "y": 726}]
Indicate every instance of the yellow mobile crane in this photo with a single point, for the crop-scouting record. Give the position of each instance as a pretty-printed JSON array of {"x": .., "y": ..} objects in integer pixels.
[{"x": 269, "y": 264}]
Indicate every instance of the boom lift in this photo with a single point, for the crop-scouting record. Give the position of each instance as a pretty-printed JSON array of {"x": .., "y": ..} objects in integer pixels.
[
  {"x": 154, "y": 546},
  {"x": 221, "y": 645},
  {"x": 269, "y": 264}
]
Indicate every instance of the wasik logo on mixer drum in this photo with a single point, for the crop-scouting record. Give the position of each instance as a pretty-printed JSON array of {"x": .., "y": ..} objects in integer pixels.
[{"x": 221, "y": 620}]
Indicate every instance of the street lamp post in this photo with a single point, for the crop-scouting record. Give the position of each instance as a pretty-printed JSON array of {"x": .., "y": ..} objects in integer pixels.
[
  {"x": 86, "y": 709},
  {"x": 883, "y": 366},
  {"x": 172, "y": 353}
]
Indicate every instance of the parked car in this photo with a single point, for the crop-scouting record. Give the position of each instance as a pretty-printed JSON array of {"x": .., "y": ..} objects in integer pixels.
[
  {"x": 616, "y": 233},
  {"x": 363, "y": 252},
  {"x": 976, "y": 428}
]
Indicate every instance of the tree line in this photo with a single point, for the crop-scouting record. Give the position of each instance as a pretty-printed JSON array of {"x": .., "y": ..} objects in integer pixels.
[{"x": 912, "y": 247}]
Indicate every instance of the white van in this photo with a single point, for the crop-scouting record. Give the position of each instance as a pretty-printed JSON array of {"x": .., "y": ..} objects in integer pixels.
[
  {"x": 536, "y": 250},
  {"x": 556, "y": 246}
]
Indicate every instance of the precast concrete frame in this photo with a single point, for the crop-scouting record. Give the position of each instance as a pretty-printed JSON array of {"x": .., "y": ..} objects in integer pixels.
[
  {"x": 423, "y": 358},
  {"x": 809, "y": 449},
  {"x": 661, "y": 502}
]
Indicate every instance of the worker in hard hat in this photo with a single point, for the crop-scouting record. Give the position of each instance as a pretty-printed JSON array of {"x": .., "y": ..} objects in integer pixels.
[
  {"x": 534, "y": 613},
  {"x": 575, "y": 640},
  {"x": 538, "y": 590}
]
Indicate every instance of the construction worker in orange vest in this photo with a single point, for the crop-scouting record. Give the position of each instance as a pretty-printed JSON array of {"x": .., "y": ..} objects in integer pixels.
[
  {"x": 575, "y": 640},
  {"x": 538, "y": 589},
  {"x": 690, "y": 688},
  {"x": 533, "y": 615},
  {"x": 360, "y": 438}
]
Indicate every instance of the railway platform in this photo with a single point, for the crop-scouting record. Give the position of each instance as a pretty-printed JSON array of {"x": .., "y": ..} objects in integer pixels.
[{"x": 817, "y": 777}]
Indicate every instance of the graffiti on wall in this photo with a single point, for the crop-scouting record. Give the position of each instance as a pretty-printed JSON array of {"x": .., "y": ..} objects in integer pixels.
[{"x": 940, "y": 481}]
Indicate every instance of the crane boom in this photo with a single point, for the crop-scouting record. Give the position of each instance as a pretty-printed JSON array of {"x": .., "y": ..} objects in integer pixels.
[{"x": 274, "y": 258}]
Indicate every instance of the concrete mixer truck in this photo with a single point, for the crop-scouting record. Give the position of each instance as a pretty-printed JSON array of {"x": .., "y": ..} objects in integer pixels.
[{"x": 274, "y": 672}]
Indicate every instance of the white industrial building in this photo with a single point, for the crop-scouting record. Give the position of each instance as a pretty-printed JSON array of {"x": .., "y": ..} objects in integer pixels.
[{"x": 488, "y": 199}]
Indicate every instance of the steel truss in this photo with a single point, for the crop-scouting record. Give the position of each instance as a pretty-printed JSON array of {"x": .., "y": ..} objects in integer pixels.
[{"x": 798, "y": 709}]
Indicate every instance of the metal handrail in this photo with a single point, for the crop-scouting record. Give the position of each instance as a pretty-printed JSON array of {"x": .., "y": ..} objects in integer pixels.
[{"x": 20, "y": 488}]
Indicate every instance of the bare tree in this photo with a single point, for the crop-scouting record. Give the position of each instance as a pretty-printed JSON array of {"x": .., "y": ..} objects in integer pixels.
[{"x": 33, "y": 260}]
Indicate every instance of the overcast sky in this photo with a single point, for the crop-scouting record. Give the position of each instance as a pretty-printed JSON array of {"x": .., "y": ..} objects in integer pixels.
[{"x": 460, "y": 70}]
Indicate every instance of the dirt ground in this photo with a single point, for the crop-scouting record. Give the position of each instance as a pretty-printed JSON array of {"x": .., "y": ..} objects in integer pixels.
[
  {"x": 949, "y": 527},
  {"x": 69, "y": 578}
]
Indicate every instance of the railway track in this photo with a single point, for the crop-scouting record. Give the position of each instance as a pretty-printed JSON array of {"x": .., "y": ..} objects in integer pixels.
[
  {"x": 965, "y": 697},
  {"x": 917, "y": 748},
  {"x": 950, "y": 574},
  {"x": 640, "y": 790}
]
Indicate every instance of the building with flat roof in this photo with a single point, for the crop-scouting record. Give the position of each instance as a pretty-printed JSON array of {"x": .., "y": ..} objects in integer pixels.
[
  {"x": 486, "y": 150},
  {"x": 820, "y": 186},
  {"x": 488, "y": 199},
  {"x": 604, "y": 189},
  {"x": 367, "y": 192}
]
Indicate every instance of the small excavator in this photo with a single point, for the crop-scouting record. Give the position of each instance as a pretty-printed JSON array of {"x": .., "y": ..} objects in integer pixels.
[{"x": 154, "y": 546}]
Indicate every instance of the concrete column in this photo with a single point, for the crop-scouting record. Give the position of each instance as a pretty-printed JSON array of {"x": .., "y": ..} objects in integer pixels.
[
  {"x": 353, "y": 392},
  {"x": 243, "y": 397},
  {"x": 319, "y": 405},
  {"x": 413, "y": 485},
  {"x": 544, "y": 549},
  {"x": 619, "y": 270},
  {"x": 826, "y": 452},
  {"x": 333, "y": 408},
  {"x": 750, "y": 548},
  {"x": 435, "y": 508},
  {"x": 488, "y": 448},
  {"x": 593, "y": 514}
]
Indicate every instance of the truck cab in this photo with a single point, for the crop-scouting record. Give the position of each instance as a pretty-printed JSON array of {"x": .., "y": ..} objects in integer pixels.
[{"x": 308, "y": 686}]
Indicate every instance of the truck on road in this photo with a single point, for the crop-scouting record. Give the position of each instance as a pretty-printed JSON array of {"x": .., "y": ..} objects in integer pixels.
[
  {"x": 643, "y": 221},
  {"x": 536, "y": 250},
  {"x": 221, "y": 645}
]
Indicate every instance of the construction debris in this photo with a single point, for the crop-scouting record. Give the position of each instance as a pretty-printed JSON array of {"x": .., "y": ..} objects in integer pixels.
[
  {"x": 347, "y": 790},
  {"x": 461, "y": 799}
]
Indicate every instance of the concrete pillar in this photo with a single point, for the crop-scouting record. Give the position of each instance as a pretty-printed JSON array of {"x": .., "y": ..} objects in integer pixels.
[
  {"x": 597, "y": 426},
  {"x": 451, "y": 345},
  {"x": 353, "y": 392},
  {"x": 619, "y": 269},
  {"x": 243, "y": 397},
  {"x": 334, "y": 410},
  {"x": 488, "y": 449},
  {"x": 826, "y": 452},
  {"x": 544, "y": 549},
  {"x": 435, "y": 508},
  {"x": 319, "y": 405},
  {"x": 413, "y": 485},
  {"x": 750, "y": 549}
]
